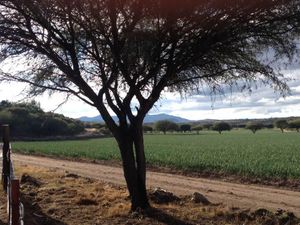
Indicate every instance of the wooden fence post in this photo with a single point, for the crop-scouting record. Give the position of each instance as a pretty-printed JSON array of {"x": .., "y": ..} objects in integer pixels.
[
  {"x": 6, "y": 157},
  {"x": 15, "y": 202}
]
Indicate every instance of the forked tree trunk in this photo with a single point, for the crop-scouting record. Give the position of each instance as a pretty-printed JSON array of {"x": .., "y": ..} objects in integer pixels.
[{"x": 134, "y": 166}]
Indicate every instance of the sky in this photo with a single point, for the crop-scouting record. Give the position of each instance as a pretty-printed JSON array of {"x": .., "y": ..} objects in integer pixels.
[{"x": 263, "y": 102}]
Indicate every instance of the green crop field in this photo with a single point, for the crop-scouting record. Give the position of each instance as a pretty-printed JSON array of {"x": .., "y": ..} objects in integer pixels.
[{"x": 265, "y": 154}]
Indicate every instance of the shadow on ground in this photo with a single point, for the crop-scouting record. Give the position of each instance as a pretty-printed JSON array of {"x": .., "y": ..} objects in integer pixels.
[
  {"x": 163, "y": 217},
  {"x": 35, "y": 216}
]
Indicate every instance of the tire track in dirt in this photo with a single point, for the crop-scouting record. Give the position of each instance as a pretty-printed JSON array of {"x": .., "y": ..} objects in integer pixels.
[{"x": 231, "y": 194}]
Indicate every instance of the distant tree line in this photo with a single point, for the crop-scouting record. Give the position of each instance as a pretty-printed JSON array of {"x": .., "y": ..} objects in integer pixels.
[
  {"x": 165, "y": 126},
  {"x": 29, "y": 120},
  {"x": 285, "y": 124}
]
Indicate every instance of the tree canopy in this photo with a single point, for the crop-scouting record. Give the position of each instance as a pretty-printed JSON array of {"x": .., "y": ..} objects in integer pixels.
[
  {"x": 119, "y": 56},
  {"x": 221, "y": 126},
  {"x": 281, "y": 124},
  {"x": 147, "y": 128},
  {"x": 254, "y": 126},
  {"x": 166, "y": 125},
  {"x": 185, "y": 127},
  {"x": 295, "y": 124},
  {"x": 197, "y": 128}
]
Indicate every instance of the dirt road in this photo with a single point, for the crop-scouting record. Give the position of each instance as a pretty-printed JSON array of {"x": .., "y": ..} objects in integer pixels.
[{"x": 238, "y": 195}]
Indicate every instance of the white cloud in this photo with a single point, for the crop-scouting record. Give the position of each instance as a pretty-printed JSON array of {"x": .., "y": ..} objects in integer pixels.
[{"x": 263, "y": 102}]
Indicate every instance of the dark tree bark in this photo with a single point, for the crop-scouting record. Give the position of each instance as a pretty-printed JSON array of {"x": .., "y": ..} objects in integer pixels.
[
  {"x": 131, "y": 146},
  {"x": 138, "y": 140}
]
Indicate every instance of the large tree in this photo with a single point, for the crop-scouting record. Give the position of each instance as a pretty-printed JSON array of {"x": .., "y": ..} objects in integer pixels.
[
  {"x": 120, "y": 55},
  {"x": 295, "y": 124},
  {"x": 282, "y": 124},
  {"x": 221, "y": 126},
  {"x": 254, "y": 126}
]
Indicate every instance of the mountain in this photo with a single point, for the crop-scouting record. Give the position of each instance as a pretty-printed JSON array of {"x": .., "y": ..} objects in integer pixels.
[
  {"x": 155, "y": 118},
  {"x": 148, "y": 118}
]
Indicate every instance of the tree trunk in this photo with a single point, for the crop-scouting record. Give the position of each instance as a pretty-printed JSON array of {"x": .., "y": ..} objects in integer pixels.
[
  {"x": 134, "y": 169},
  {"x": 138, "y": 140}
]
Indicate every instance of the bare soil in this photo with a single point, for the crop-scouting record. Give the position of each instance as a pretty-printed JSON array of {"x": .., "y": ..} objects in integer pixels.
[
  {"x": 276, "y": 182},
  {"x": 218, "y": 192},
  {"x": 52, "y": 196}
]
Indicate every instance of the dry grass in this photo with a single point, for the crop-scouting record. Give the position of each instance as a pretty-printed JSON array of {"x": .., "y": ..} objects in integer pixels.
[{"x": 58, "y": 198}]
